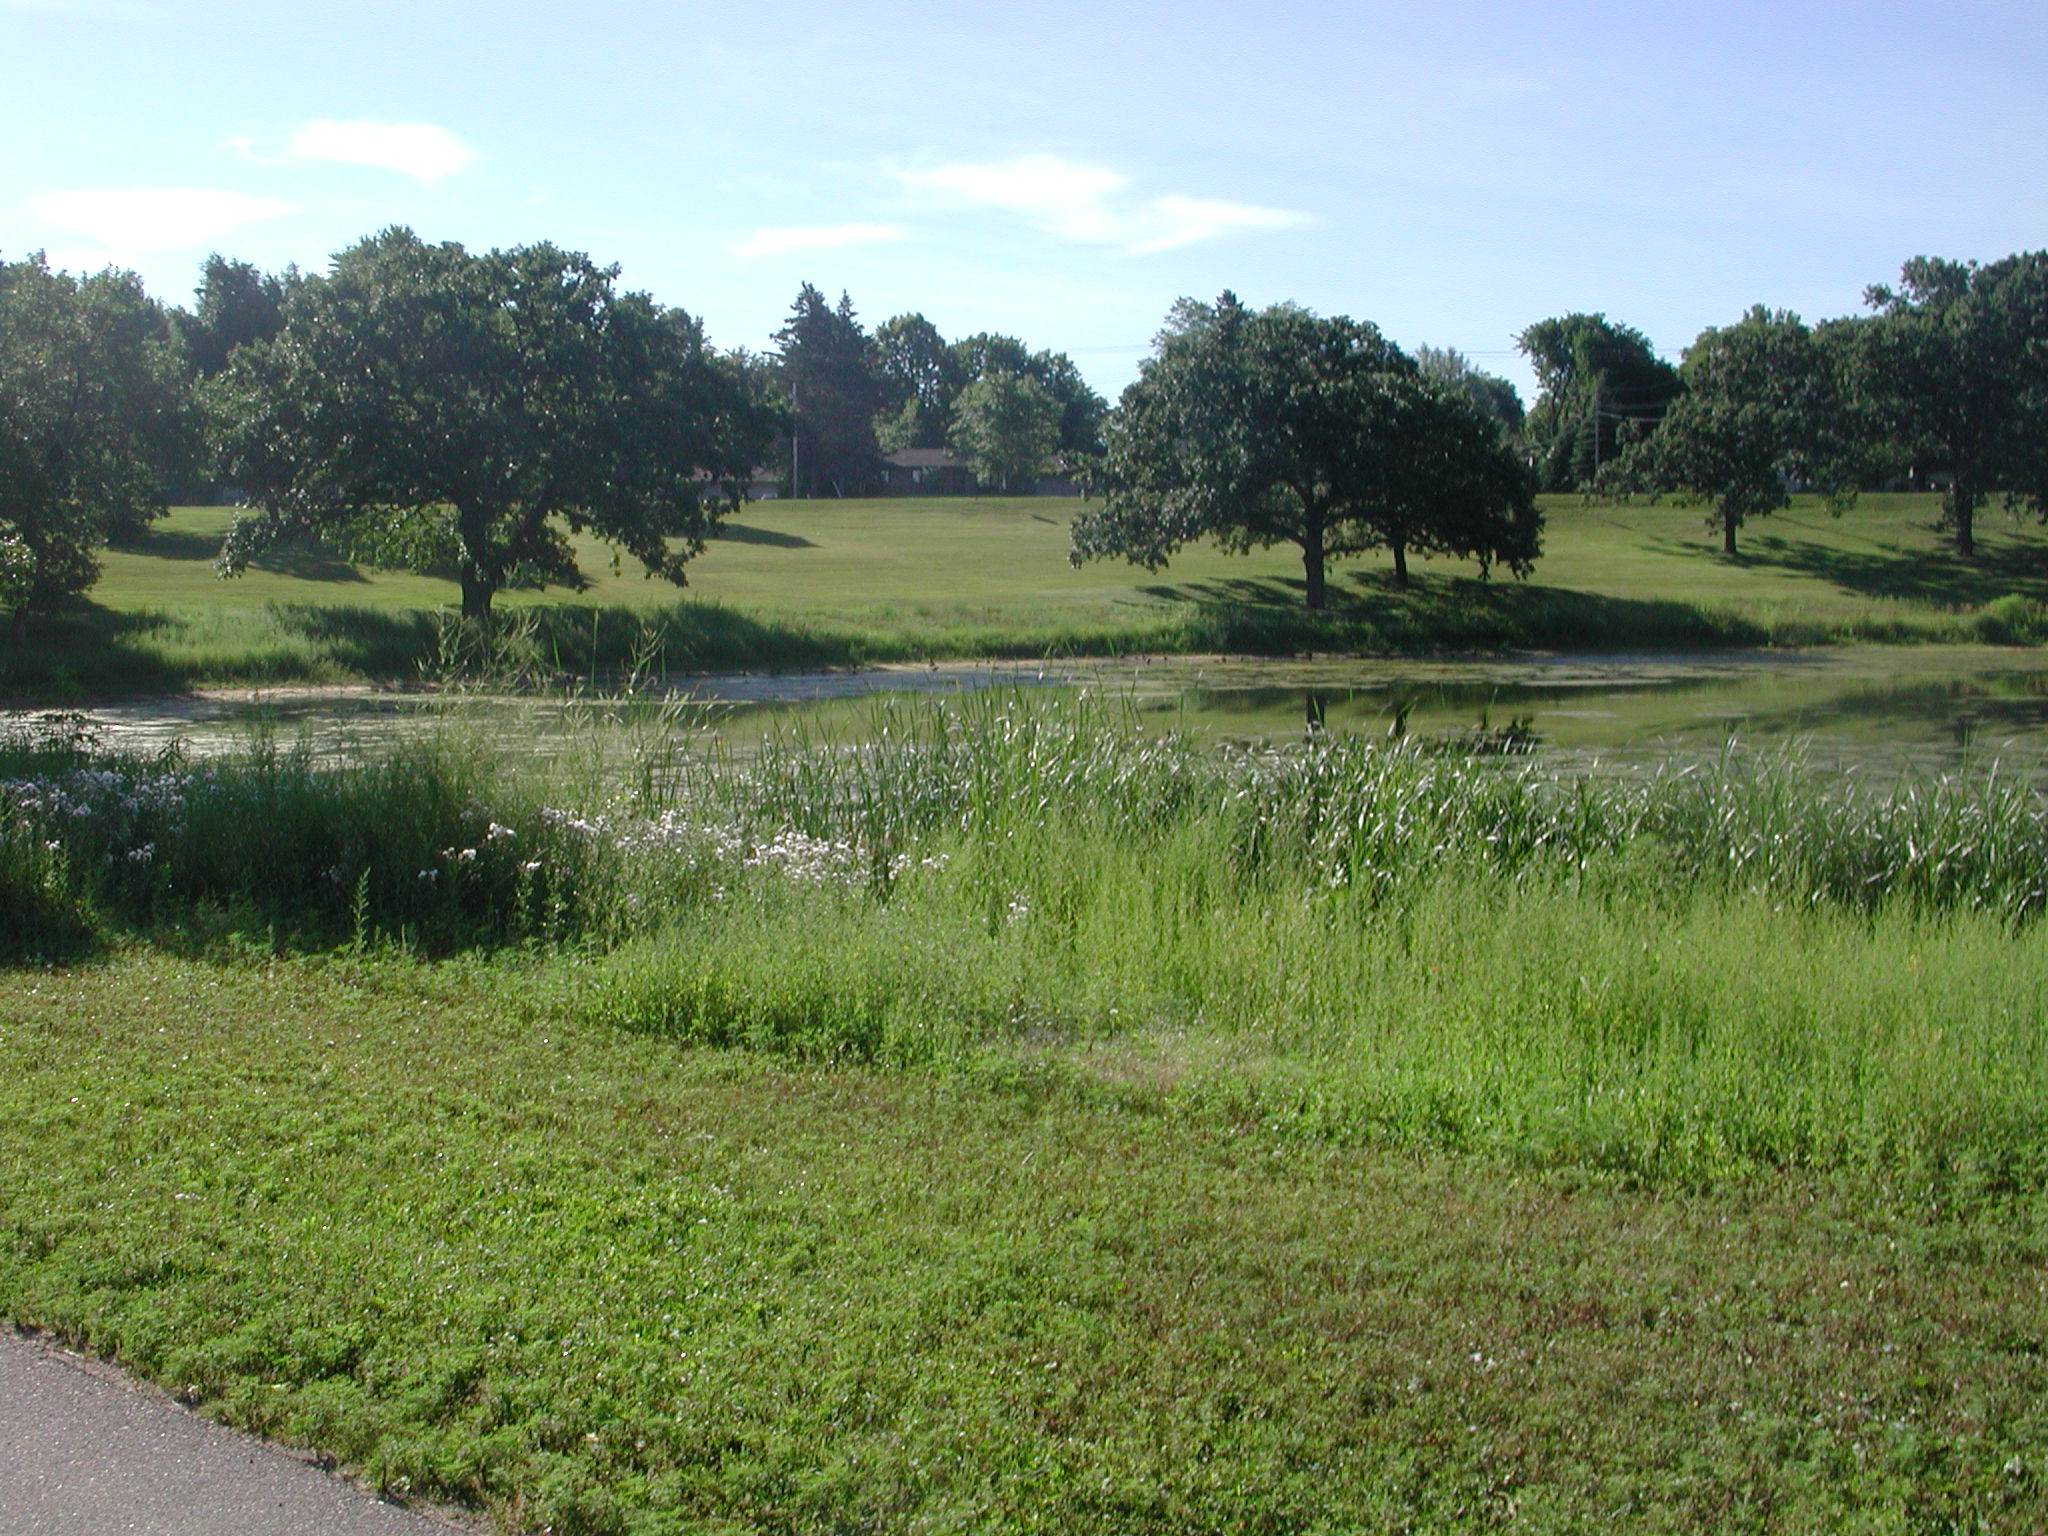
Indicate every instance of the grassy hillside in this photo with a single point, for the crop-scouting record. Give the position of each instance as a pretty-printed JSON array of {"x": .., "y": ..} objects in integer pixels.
[{"x": 810, "y": 583}]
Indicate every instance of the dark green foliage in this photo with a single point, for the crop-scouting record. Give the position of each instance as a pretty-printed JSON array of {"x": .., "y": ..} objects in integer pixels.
[
  {"x": 1488, "y": 393},
  {"x": 927, "y": 378},
  {"x": 1602, "y": 387},
  {"x": 514, "y": 395},
  {"x": 1005, "y": 426},
  {"x": 1277, "y": 426},
  {"x": 95, "y": 422},
  {"x": 234, "y": 306},
  {"x": 922, "y": 376},
  {"x": 1956, "y": 367},
  {"x": 832, "y": 376},
  {"x": 1764, "y": 409},
  {"x": 1081, "y": 410}
]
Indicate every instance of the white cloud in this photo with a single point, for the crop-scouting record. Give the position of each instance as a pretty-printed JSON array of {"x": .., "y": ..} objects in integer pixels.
[
  {"x": 773, "y": 242},
  {"x": 1055, "y": 194},
  {"x": 245, "y": 148},
  {"x": 1176, "y": 221},
  {"x": 1080, "y": 202},
  {"x": 137, "y": 219},
  {"x": 419, "y": 150}
]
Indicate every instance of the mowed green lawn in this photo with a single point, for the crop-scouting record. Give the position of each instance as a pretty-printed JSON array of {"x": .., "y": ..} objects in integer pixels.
[
  {"x": 1008, "y": 556},
  {"x": 802, "y": 584}
]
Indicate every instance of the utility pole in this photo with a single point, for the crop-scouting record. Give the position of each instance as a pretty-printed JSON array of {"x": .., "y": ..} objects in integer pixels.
[{"x": 795, "y": 465}]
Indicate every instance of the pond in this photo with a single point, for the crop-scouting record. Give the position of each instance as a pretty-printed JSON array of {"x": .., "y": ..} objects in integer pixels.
[{"x": 1893, "y": 709}]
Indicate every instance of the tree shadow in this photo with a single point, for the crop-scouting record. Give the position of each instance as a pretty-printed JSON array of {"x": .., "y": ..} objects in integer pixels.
[
  {"x": 1938, "y": 577},
  {"x": 1368, "y": 612},
  {"x": 169, "y": 544},
  {"x": 753, "y": 533},
  {"x": 1273, "y": 591},
  {"x": 307, "y": 564}
]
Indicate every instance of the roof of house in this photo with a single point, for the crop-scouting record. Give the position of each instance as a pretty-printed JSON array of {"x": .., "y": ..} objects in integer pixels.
[{"x": 925, "y": 458}]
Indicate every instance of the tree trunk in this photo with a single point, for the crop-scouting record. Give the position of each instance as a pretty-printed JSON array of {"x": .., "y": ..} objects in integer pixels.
[
  {"x": 1312, "y": 571},
  {"x": 1960, "y": 507},
  {"x": 1400, "y": 564},
  {"x": 476, "y": 596},
  {"x": 1728, "y": 522}
]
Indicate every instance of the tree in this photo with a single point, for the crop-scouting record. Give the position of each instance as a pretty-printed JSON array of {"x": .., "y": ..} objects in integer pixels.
[
  {"x": 1005, "y": 425},
  {"x": 234, "y": 305},
  {"x": 1081, "y": 409},
  {"x": 1490, "y": 394},
  {"x": 96, "y": 418},
  {"x": 830, "y": 370},
  {"x": 1957, "y": 365},
  {"x": 515, "y": 395},
  {"x": 1277, "y": 426},
  {"x": 1602, "y": 387},
  {"x": 1762, "y": 409},
  {"x": 921, "y": 377}
]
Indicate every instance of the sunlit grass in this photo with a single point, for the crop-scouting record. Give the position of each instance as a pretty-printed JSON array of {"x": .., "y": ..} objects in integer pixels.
[
  {"x": 835, "y": 583},
  {"x": 1000, "y": 1116},
  {"x": 1684, "y": 975}
]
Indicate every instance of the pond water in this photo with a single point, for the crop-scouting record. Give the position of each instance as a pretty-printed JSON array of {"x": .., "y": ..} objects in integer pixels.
[{"x": 1887, "y": 709}]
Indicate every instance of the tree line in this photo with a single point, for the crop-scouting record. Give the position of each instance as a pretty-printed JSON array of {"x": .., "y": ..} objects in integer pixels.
[{"x": 423, "y": 405}]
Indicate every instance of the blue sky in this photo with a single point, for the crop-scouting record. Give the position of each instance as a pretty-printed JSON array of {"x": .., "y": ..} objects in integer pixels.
[{"x": 1063, "y": 171}]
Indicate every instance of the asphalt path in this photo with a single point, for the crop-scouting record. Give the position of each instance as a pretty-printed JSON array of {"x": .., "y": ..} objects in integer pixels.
[{"x": 86, "y": 1452}]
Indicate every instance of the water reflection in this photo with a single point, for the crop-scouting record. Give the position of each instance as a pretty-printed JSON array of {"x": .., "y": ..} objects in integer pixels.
[{"x": 1931, "y": 711}]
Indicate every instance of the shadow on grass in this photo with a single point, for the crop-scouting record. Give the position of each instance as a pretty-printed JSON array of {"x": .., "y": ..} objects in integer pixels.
[
  {"x": 170, "y": 544},
  {"x": 1265, "y": 615},
  {"x": 753, "y": 533},
  {"x": 93, "y": 650},
  {"x": 1937, "y": 577},
  {"x": 307, "y": 564}
]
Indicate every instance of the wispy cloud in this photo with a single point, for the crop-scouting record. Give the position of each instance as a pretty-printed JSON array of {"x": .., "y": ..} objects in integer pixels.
[
  {"x": 829, "y": 237},
  {"x": 1085, "y": 203},
  {"x": 133, "y": 219},
  {"x": 420, "y": 150},
  {"x": 1175, "y": 221}
]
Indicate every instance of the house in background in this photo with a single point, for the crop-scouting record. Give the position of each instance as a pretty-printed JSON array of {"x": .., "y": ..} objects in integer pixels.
[
  {"x": 925, "y": 472},
  {"x": 942, "y": 472}
]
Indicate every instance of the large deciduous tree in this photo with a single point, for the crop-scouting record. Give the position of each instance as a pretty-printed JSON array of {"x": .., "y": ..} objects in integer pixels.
[
  {"x": 1957, "y": 366},
  {"x": 96, "y": 419},
  {"x": 922, "y": 378},
  {"x": 1762, "y": 410},
  {"x": 1278, "y": 426},
  {"x": 516, "y": 394},
  {"x": 234, "y": 305},
  {"x": 1006, "y": 426},
  {"x": 1489, "y": 393},
  {"x": 1602, "y": 387}
]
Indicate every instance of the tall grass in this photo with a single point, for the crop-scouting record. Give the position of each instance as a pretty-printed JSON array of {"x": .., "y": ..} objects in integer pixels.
[{"x": 1679, "y": 975}]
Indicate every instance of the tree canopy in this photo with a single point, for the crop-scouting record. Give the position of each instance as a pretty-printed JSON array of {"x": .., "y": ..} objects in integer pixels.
[
  {"x": 1762, "y": 409},
  {"x": 234, "y": 305},
  {"x": 830, "y": 369},
  {"x": 922, "y": 378},
  {"x": 1005, "y": 425},
  {"x": 1256, "y": 428},
  {"x": 1489, "y": 393},
  {"x": 515, "y": 396},
  {"x": 1957, "y": 367},
  {"x": 1602, "y": 386},
  {"x": 96, "y": 418}
]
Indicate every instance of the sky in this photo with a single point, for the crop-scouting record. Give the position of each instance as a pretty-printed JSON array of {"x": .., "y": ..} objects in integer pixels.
[{"x": 1061, "y": 172}]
